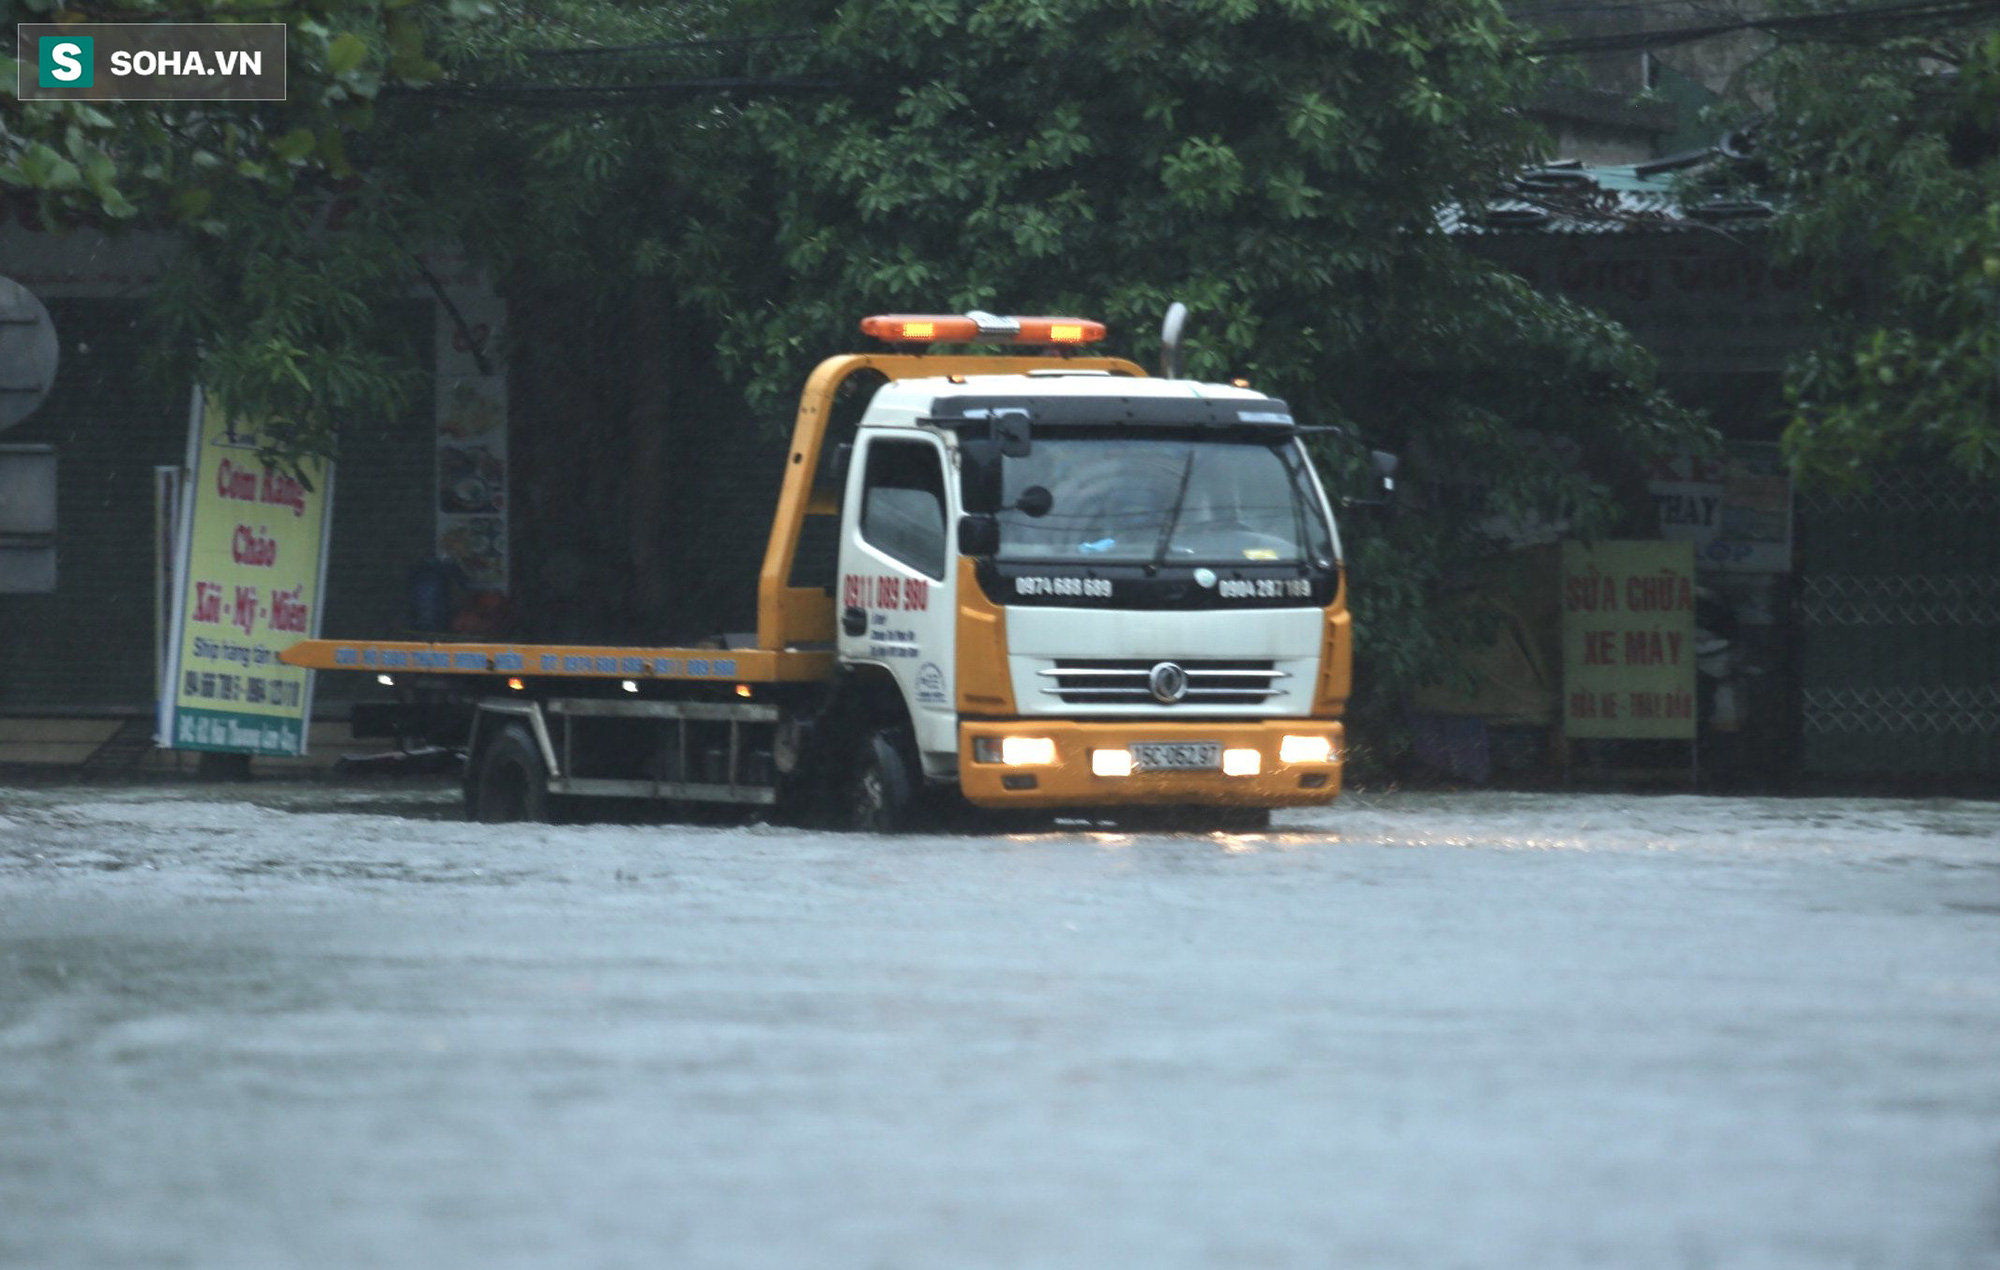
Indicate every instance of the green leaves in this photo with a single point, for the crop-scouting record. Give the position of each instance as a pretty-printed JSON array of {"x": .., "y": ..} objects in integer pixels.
[
  {"x": 1277, "y": 167},
  {"x": 1892, "y": 175},
  {"x": 1203, "y": 175},
  {"x": 41, "y": 167},
  {"x": 345, "y": 54},
  {"x": 1276, "y": 164}
]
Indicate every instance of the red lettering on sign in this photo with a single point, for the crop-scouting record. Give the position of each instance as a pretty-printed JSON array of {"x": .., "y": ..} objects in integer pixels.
[
  {"x": 288, "y": 613},
  {"x": 1590, "y": 592},
  {"x": 208, "y": 602},
  {"x": 244, "y": 615},
  {"x": 253, "y": 547},
  {"x": 1597, "y": 648},
  {"x": 1644, "y": 648},
  {"x": 232, "y": 481}
]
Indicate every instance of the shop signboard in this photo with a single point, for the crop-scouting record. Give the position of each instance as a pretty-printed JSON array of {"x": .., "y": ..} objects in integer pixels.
[
  {"x": 1736, "y": 510},
  {"x": 249, "y": 562},
  {"x": 1628, "y": 639},
  {"x": 472, "y": 476}
]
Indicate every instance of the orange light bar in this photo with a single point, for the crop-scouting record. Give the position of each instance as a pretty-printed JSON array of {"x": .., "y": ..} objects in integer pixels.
[{"x": 922, "y": 328}]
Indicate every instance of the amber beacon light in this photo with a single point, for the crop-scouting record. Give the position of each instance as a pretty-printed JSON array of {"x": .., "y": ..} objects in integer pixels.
[{"x": 980, "y": 328}]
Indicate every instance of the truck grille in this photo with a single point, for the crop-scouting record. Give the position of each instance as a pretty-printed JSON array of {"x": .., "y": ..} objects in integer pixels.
[{"x": 1210, "y": 682}]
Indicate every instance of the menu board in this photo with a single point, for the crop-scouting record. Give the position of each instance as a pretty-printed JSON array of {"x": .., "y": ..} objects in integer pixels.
[{"x": 249, "y": 560}]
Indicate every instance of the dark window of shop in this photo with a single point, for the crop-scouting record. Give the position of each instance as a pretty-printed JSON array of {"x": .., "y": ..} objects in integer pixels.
[{"x": 902, "y": 504}]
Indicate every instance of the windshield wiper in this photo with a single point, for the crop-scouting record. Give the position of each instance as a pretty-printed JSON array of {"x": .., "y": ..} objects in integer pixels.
[
  {"x": 1295, "y": 473},
  {"x": 1173, "y": 516}
]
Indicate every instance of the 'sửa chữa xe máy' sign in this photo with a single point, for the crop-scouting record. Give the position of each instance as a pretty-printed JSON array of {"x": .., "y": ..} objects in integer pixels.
[
  {"x": 1628, "y": 639},
  {"x": 251, "y": 556}
]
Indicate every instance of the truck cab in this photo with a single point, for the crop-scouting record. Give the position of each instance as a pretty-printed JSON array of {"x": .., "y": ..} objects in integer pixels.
[{"x": 1087, "y": 588}]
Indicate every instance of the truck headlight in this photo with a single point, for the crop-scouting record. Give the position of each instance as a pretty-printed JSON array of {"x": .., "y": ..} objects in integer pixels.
[
  {"x": 1111, "y": 762},
  {"x": 1306, "y": 749},
  {"x": 1014, "y": 751},
  {"x": 1241, "y": 762}
]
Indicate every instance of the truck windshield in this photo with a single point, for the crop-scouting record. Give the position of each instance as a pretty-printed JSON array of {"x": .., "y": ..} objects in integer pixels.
[{"x": 1180, "y": 501}]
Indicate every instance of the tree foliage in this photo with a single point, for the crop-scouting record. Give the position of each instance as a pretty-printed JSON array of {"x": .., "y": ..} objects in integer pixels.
[
  {"x": 1887, "y": 157},
  {"x": 282, "y": 309},
  {"x": 1278, "y": 165}
]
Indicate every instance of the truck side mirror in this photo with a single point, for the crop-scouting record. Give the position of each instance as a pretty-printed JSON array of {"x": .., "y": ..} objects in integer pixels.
[
  {"x": 978, "y": 535},
  {"x": 1385, "y": 465},
  {"x": 1012, "y": 431},
  {"x": 979, "y": 474},
  {"x": 1035, "y": 501}
]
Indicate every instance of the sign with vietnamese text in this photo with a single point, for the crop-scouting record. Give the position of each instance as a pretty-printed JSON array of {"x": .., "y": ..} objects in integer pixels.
[
  {"x": 1737, "y": 511},
  {"x": 1628, "y": 639},
  {"x": 249, "y": 562}
]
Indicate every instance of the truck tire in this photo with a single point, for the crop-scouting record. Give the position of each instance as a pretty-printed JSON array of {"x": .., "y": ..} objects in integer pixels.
[
  {"x": 882, "y": 793},
  {"x": 512, "y": 782}
]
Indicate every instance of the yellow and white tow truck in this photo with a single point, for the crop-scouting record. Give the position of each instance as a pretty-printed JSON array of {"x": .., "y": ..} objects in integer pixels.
[{"x": 1061, "y": 585}]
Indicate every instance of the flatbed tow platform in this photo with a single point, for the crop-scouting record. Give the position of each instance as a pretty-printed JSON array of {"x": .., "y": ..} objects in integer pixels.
[{"x": 585, "y": 661}]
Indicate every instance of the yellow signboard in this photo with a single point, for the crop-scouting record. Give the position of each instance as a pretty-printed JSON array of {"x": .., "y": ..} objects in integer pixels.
[
  {"x": 1628, "y": 639},
  {"x": 252, "y": 552}
]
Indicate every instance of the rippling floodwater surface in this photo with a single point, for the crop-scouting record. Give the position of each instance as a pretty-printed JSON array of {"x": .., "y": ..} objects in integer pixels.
[{"x": 325, "y": 1026}]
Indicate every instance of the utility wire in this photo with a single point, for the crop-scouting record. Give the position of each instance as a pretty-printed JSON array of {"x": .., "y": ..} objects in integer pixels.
[
  {"x": 1917, "y": 13},
  {"x": 572, "y": 95},
  {"x": 1904, "y": 13},
  {"x": 675, "y": 46}
]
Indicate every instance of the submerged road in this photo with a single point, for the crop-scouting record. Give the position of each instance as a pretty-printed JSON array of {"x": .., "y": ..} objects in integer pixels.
[{"x": 315, "y": 1026}]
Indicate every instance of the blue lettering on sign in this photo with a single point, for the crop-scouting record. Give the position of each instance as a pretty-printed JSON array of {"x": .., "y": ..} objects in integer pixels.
[
  {"x": 605, "y": 665},
  {"x": 470, "y": 661},
  {"x": 368, "y": 657},
  {"x": 395, "y": 658},
  {"x": 550, "y": 661},
  {"x": 509, "y": 661},
  {"x": 431, "y": 660},
  {"x": 634, "y": 666},
  {"x": 697, "y": 665},
  {"x": 726, "y": 668},
  {"x": 572, "y": 662},
  {"x": 667, "y": 666},
  {"x": 345, "y": 656}
]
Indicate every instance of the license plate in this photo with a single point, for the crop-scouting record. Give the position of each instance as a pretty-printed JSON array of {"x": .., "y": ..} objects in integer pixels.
[{"x": 1155, "y": 756}]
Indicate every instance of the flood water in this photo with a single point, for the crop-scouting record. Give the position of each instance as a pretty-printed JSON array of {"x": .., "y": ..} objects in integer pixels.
[{"x": 325, "y": 1026}]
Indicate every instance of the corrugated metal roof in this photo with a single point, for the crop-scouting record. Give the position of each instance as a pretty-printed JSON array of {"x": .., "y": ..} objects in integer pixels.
[{"x": 1572, "y": 198}]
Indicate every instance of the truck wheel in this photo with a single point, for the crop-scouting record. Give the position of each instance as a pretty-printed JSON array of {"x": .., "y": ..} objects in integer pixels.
[
  {"x": 512, "y": 783},
  {"x": 882, "y": 793}
]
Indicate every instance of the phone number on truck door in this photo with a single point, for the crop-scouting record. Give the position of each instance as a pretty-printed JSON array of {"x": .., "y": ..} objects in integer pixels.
[
  {"x": 1084, "y": 588},
  {"x": 1264, "y": 588}
]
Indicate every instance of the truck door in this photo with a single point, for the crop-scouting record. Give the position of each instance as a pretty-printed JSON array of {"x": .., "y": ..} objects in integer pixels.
[{"x": 896, "y": 606}]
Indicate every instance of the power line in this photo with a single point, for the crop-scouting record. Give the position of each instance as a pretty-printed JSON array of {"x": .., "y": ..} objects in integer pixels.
[
  {"x": 1912, "y": 14},
  {"x": 675, "y": 46},
  {"x": 566, "y": 96}
]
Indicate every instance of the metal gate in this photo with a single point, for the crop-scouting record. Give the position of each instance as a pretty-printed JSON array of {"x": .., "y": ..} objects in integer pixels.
[{"x": 1899, "y": 593}]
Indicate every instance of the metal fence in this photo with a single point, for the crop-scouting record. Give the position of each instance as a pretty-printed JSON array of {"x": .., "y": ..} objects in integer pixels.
[{"x": 1899, "y": 608}]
